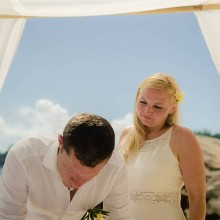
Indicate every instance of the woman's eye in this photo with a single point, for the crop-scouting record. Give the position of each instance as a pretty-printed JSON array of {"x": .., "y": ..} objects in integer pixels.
[
  {"x": 143, "y": 102},
  {"x": 158, "y": 107}
]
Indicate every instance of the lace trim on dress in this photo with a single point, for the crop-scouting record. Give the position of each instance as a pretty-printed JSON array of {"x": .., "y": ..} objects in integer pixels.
[
  {"x": 157, "y": 142},
  {"x": 154, "y": 197}
]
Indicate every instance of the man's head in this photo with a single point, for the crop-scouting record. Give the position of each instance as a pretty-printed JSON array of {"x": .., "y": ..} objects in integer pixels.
[
  {"x": 91, "y": 137},
  {"x": 87, "y": 143}
]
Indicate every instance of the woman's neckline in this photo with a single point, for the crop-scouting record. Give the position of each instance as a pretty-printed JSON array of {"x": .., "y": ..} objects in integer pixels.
[{"x": 159, "y": 136}]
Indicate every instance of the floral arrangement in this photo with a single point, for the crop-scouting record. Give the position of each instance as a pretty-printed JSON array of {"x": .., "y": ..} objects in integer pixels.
[
  {"x": 178, "y": 96},
  {"x": 95, "y": 214}
]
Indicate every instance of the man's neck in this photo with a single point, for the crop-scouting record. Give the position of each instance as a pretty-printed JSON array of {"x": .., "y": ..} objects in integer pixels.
[{"x": 72, "y": 193}]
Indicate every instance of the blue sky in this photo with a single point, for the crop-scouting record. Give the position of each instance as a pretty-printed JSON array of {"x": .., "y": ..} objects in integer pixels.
[{"x": 94, "y": 64}]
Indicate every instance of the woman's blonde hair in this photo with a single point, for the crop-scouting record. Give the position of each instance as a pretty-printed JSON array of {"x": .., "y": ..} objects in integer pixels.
[{"x": 135, "y": 138}]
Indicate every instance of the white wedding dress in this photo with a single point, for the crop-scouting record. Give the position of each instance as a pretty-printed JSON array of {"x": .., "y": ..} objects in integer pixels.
[{"x": 155, "y": 181}]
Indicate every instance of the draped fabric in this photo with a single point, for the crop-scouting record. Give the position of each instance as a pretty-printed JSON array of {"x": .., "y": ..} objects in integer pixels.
[
  {"x": 13, "y": 15},
  {"x": 209, "y": 22},
  {"x": 70, "y": 8},
  {"x": 10, "y": 34}
]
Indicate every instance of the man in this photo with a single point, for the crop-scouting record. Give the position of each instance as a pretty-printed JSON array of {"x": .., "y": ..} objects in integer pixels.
[{"x": 48, "y": 179}]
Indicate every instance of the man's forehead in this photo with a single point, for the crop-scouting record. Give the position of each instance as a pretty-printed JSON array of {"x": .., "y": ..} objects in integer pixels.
[{"x": 77, "y": 167}]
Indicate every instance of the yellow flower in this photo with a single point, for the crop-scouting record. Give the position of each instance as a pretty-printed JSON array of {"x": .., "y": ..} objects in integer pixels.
[
  {"x": 99, "y": 216},
  {"x": 95, "y": 213},
  {"x": 178, "y": 96}
]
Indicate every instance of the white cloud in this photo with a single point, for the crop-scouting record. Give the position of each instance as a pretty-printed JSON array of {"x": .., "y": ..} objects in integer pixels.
[{"x": 46, "y": 117}]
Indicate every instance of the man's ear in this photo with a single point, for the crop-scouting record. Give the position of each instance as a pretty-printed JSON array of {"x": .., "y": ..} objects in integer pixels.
[{"x": 60, "y": 139}]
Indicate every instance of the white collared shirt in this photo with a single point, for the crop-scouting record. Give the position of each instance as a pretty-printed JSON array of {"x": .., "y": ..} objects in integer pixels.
[{"x": 30, "y": 187}]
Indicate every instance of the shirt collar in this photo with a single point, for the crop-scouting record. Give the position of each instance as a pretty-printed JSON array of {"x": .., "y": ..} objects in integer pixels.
[{"x": 50, "y": 158}]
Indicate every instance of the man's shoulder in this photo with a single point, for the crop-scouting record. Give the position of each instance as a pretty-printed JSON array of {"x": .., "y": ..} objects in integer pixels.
[
  {"x": 32, "y": 144},
  {"x": 116, "y": 159}
]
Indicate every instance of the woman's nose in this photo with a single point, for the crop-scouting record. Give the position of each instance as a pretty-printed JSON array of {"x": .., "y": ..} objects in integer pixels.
[{"x": 148, "y": 110}]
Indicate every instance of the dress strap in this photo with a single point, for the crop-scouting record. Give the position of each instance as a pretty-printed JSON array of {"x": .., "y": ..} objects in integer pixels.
[{"x": 169, "y": 133}]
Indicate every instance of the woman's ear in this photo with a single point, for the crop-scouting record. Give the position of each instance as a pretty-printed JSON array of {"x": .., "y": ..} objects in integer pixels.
[{"x": 173, "y": 109}]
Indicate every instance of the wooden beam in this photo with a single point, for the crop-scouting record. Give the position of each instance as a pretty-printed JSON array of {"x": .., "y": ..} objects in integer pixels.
[
  {"x": 12, "y": 16},
  {"x": 16, "y": 16},
  {"x": 194, "y": 8}
]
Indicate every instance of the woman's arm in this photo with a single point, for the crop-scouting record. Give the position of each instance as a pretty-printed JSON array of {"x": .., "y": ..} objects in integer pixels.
[{"x": 190, "y": 156}]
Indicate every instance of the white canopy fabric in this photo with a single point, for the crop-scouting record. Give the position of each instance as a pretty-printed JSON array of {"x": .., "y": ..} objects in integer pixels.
[
  {"x": 14, "y": 13},
  {"x": 70, "y": 8},
  {"x": 209, "y": 22},
  {"x": 10, "y": 34}
]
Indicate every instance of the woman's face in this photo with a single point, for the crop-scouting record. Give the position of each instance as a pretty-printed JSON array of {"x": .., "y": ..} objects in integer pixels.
[{"x": 153, "y": 107}]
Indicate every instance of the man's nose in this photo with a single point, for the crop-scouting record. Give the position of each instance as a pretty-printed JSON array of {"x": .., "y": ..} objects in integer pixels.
[{"x": 79, "y": 182}]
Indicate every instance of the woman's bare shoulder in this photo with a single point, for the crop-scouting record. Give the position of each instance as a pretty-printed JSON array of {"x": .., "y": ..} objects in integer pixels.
[
  {"x": 125, "y": 131},
  {"x": 183, "y": 138},
  {"x": 182, "y": 132}
]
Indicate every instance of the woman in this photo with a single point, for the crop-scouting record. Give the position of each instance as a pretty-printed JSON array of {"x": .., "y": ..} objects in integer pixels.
[{"x": 162, "y": 156}]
